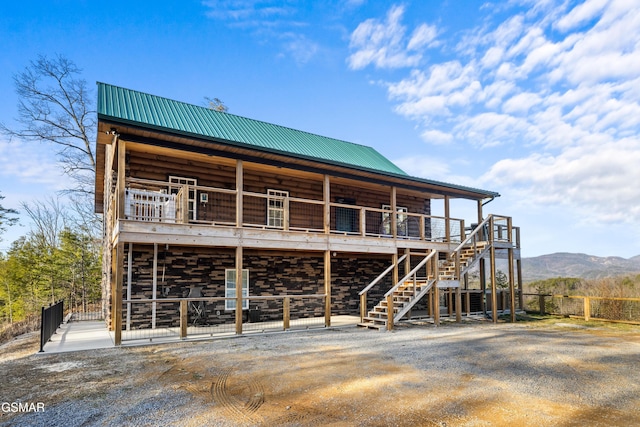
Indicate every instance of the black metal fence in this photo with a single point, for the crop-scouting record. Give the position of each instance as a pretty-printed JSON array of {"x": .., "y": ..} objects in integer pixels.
[{"x": 50, "y": 319}]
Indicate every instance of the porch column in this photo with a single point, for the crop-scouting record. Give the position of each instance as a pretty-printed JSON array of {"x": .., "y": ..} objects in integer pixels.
[
  {"x": 479, "y": 211},
  {"x": 512, "y": 290},
  {"x": 122, "y": 151},
  {"x": 154, "y": 285},
  {"x": 396, "y": 274},
  {"x": 447, "y": 216},
  {"x": 519, "y": 271},
  {"x": 327, "y": 288},
  {"x": 394, "y": 213},
  {"x": 129, "y": 278},
  {"x": 327, "y": 207},
  {"x": 239, "y": 290},
  {"x": 117, "y": 332},
  {"x": 239, "y": 189},
  {"x": 494, "y": 295}
]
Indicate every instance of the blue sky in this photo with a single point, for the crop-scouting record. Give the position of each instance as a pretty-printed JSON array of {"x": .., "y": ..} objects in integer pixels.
[{"x": 537, "y": 100}]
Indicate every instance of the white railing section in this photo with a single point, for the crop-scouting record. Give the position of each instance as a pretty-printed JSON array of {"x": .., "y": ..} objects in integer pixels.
[{"x": 144, "y": 205}]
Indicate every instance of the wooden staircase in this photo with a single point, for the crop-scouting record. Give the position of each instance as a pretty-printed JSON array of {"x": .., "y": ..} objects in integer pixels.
[{"x": 411, "y": 289}]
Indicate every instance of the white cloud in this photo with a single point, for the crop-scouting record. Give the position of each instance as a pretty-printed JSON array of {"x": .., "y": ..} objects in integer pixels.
[
  {"x": 31, "y": 163},
  {"x": 384, "y": 44},
  {"x": 581, "y": 13},
  {"x": 548, "y": 101}
]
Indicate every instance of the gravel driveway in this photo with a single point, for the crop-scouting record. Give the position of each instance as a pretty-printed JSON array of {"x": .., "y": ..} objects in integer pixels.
[{"x": 554, "y": 372}]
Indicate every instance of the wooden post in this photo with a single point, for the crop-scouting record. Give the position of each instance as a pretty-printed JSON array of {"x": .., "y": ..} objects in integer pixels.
[
  {"x": 327, "y": 204},
  {"x": 184, "y": 318},
  {"x": 468, "y": 301},
  {"x": 541, "y": 304},
  {"x": 447, "y": 220},
  {"x": 363, "y": 222},
  {"x": 129, "y": 279},
  {"x": 494, "y": 294},
  {"x": 390, "y": 313},
  {"x": 285, "y": 313},
  {"x": 239, "y": 193},
  {"x": 363, "y": 306},
  {"x": 122, "y": 166},
  {"x": 394, "y": 213},
  {"x": 395, "y": 275},
  {"x": 285, "y": 225},
  {"x": 112, "y": 284},
  {"x": 458, "y": 304},
  {"x": 239, "y": 290},
  {"x": 512, "y": 288},
  {"x": 483, "y": 284},
  {"x": 154, "y": 285},
  {"x": 436, "y": 293},
  {"x": 587, "y": 309},
  {"x": 480, "y": 212},
  {"x": 519, "y": 270},
  {"x": 327, "y": 288},
  {"x": 117, "y": 332}
]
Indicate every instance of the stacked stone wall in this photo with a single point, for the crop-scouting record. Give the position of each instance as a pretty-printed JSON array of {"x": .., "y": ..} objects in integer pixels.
[{"x": 270, "y": 273}]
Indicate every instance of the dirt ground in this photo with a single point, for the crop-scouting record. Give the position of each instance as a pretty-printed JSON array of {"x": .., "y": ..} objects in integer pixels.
[{"x": 551, "y": 372}]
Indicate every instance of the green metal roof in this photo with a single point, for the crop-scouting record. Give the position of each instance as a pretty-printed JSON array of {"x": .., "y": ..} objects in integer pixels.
[{"x": 136, "y": 107}]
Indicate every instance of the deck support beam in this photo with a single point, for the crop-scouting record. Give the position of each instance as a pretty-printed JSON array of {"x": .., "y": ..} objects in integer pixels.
[
  {"x": 327, "y": 288},
  {"x": 117, "y": 324},
  {"x": 238, "y": 290},
  {"x": 512, "y": 290}
]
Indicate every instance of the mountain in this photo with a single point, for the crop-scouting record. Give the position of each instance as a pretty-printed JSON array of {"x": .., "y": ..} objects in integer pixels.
[{"x": 585, "y": 266}]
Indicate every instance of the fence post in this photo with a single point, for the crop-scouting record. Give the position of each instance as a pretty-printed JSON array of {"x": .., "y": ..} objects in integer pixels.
[
  {"x": 42, "y": 333},
  {"x": 184, "y": 320},
  {"x": 541, "y": 303},
  {"x": 587, "y": 309},
  {"x": 390, "y": 313},
  {"x": 363, "y": 306},
  {"x": 286, "y": 314}
]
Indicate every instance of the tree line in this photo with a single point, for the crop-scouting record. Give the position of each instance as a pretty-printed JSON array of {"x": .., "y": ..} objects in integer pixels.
[{"x": 59, "y": 257}]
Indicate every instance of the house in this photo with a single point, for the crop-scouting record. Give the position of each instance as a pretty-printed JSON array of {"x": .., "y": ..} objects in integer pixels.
[{"x": 314, "y": 227}]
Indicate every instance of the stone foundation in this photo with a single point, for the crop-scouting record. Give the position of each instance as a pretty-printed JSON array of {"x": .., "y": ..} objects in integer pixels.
[{"x": 270, "y": 273}]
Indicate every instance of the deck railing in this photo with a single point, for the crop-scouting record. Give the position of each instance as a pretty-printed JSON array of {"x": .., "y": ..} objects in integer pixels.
[
  {"x": 611, "y": 309},
  {"x": 207, "y": 316},
  {"x": 152, "y": 201}
]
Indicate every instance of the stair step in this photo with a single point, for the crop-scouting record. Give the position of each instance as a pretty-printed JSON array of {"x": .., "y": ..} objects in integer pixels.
[
  {"x": 373, "y": 326},
  {"x": 375, "y": 320}
]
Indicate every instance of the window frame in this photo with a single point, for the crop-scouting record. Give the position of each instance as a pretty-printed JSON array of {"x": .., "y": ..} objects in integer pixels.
[
  {"x": 230, "y": 289},
  {"x": 401, "y": 224},
  {"x": 276, "y": 208},
  {"x": 176, "y": 183}
]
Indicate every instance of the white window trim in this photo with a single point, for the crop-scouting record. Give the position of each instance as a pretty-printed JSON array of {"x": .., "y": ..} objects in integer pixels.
[
  {"x": 230, "y": 289},
  {"x": 401, "y": 223},
  {"x": 276, "y": 205},
  {"x": 176, "y": 183}
]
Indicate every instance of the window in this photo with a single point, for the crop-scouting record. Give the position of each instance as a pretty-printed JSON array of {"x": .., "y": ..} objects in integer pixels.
[
  {"x": 276, "y": 208},
  {"x": 402, "y": 220},
  {"x": 176, "y": 184},
  {"x": 230, "y": 289}
]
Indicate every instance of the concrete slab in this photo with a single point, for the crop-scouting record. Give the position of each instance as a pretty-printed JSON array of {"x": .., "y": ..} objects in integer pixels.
[
  {"x": 78, "y": 336},
  {"x": 89, "y": 335}
]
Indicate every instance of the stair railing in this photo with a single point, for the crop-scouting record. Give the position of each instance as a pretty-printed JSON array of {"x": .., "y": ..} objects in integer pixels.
[
  {"x": 412, "y": 273},
  {"x": 363, "y": 293}
]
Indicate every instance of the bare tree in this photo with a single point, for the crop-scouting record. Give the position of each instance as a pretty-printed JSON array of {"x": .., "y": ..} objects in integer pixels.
[
  {"x": 6, "y": 218},
  {"x": 55, "y": 106}
]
